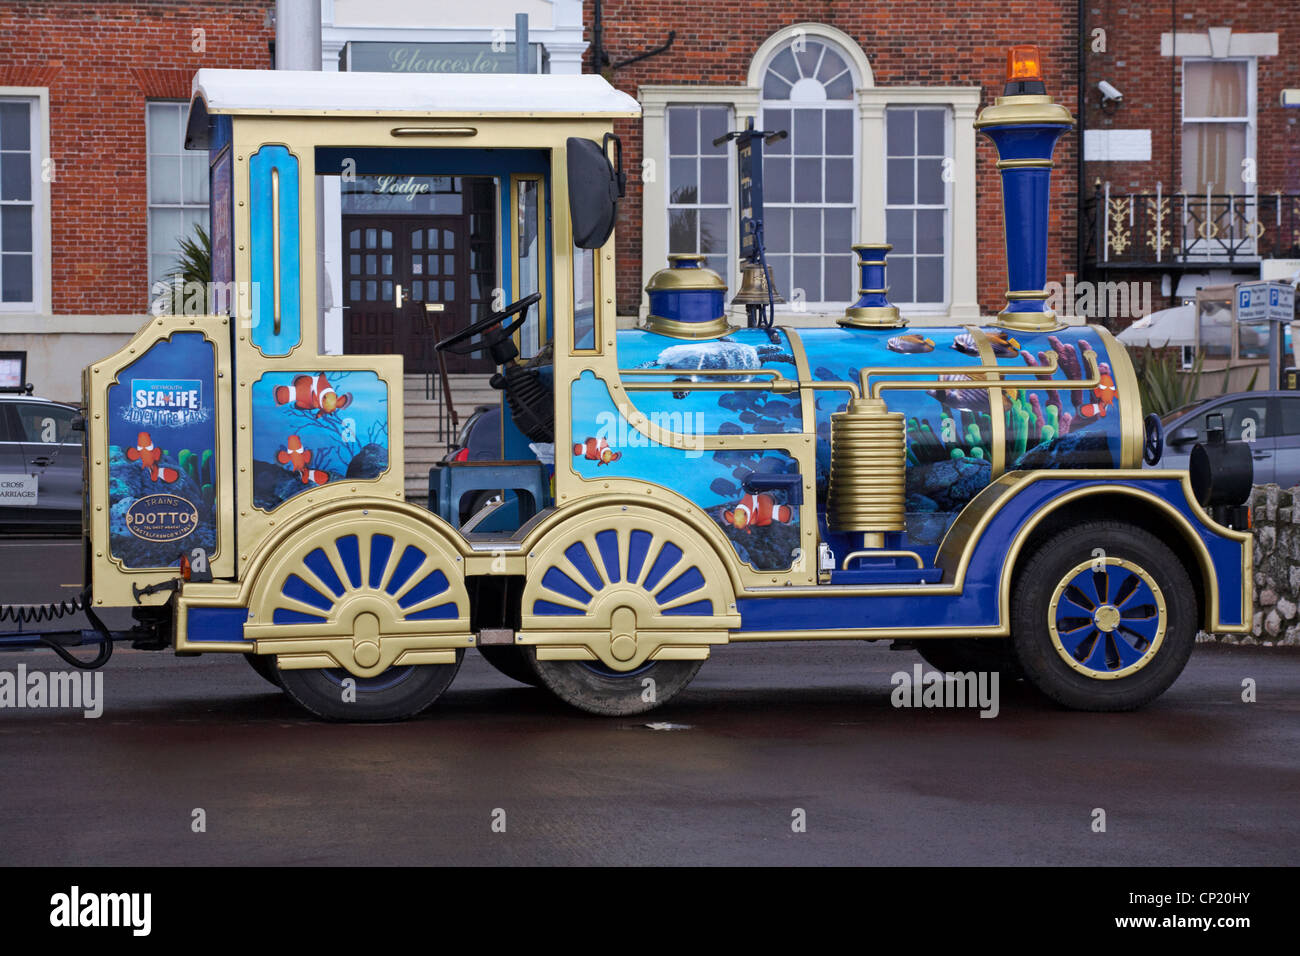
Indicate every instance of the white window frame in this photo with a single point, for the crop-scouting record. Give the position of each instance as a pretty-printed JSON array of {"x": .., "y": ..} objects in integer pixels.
[
  {"x": 655, "y": 100},
  {"x": 42, "y": 279},
  {"x": 941, "y": 305},
  {"x": 150, "y": 205},
  {"x": 961, "y": 282},
  {"x": 729, "y": 203},
  {"x": 1248, "y": 203},
  {"x": 854, "y": 205}
]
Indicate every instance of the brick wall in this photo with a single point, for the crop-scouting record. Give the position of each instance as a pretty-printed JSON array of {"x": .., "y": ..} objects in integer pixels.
[
  {"x": 101, "y": 62},
  {"x": 910, "y": 42}
]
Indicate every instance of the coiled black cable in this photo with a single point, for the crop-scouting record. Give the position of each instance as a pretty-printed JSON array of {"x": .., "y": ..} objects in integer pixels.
[{"x": 37, "y": 613}]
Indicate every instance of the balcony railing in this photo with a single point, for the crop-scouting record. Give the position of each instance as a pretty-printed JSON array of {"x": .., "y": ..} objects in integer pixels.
[{"x": 1178, "y": 230}]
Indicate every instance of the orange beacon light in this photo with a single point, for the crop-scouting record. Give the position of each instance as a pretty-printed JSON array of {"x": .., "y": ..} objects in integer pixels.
[{"x": 1024, "y": 63}]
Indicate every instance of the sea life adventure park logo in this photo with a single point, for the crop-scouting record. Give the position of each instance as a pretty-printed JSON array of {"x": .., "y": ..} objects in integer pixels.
[{"x": 166, "y": 401}]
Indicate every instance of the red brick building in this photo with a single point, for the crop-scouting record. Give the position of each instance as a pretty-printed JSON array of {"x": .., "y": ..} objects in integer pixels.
[
  {"x": 917, "y": 64},
  {"x": 94, "y": 188},
  {"x": 1192, "y": 178}
]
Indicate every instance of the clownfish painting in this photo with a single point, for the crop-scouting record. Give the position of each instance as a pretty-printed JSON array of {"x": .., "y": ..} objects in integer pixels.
[
  {"x": 1103, "y": 395},
  {"x": 298, "y": 458},
  {"x": 757, "y": 511},
  {"x": 597, "y": 450},
  {"x": 312, "y": 394},
  {"x": 148, "y": 456}
]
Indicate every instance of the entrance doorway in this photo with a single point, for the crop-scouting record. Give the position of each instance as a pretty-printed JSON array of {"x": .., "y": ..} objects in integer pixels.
[{"x": 412, "y": 276}]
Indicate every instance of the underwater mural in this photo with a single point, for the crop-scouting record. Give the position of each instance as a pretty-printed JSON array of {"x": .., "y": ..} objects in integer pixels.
[
  {"x": 762, "y": 527},
  {"x": 312, "y": 427},
  {"x": 162, "y": 466},
  {"x": 950, "y": 427}
]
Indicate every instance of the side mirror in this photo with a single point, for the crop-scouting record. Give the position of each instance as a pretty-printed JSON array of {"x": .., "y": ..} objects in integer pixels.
[
  {"x": 594, "y": 190},
  {"x": 1183, "y": 436}
]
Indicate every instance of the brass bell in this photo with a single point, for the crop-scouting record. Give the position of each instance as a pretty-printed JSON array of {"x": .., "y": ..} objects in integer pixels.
[{"x": 753, "y": 286}]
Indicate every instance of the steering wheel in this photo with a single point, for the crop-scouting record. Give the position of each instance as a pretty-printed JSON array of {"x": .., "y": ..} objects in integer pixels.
[
  {"x": 459, "y": 343},
  {"x": 1153, "y": 441}
]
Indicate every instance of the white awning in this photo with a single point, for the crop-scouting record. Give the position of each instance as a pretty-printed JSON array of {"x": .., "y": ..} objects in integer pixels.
[{"x": 1168, "y": 327}]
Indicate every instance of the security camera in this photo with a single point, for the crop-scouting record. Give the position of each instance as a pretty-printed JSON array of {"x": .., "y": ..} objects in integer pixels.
[{"x": 1108, "y": 93}]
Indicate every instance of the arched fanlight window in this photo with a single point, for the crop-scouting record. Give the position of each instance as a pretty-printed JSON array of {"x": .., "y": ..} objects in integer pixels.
[{"x": 810, "y": 178}]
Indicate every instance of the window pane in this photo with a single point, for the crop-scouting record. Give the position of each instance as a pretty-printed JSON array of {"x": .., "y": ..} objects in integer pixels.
[
  {"x": 808, "y": 278},
  {"x": 164, "y": 121},
  {"x": 16, "y": 176},
  {"x": 899, "y": 278},
  {"x": 929, "y": 132},
  {"x": 900, "y": 138},
  {"x": 807, "y": 230},
  {"x": 713, "y": 180},
  {"x": 775, "y": 88},
  {"x": 776, "y": 229},
  {"x": 839, "y": 230},
  {"x": 584, "y": 299},
  {"x": 929, "y": 231},
  {"x": 807, "y": 180},
  {"x": 15, "y": 278},
  {"x": 682, "y": 184},
  {"x": 713, "y": 231},
  {"x": 839, "y": 132},
  {"x": 929, "y": 182},
  {"x": 899, "y": 173},
  {"x": 683, "y": 138},
  {"x": 165, "y": 228},
  {"x": 1291, "y": 416},
  {"x": 840, "y": 89},
  {"x": 1215, "y": 89},
  {"x": 776, "y": 120},
  {"x": 929, "y": 279},
  {"x": 832, "y": 66},
  {"x": 15, "y": 126},
  {"x": 681, "y": 230},
  {"x": 776, "y": 180},
  {"x": 1212, "y": 155},
  {"x": 783, "y": 65},
  {"x": 808, "y": 58},
  {"x": 780, "y": 266},
  {"x": 839, "y": 180},
  {"x": 196, "y": 179},
  {"x": 898, "y": 230},
  {"x": 714, "y": 122},
  {"x": 807, "y": 132},
  {"x": 16, "y": 228},
  {"x": 841, "y": 279}
]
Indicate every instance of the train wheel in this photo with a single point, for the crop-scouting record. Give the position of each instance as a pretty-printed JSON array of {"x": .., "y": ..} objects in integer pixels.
[
  {"x": 393, "y": 694},
  {"x": 264, "y": 664},
  {"x": 597, "y": 689},
  {"x": 512, "y": 662},
  {"x": 365, "y": 608},
  {"x": 621, "y": 606},
  {"x": 960, "y": 655},
  {"x": 1104, "y": 617}
]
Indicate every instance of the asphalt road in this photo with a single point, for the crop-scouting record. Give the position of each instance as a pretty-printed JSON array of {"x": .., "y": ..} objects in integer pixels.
[{"x": 1197, "y": 778}]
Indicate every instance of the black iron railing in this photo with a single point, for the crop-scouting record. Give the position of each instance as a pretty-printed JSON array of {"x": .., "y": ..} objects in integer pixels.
[{"x": 1176, "y": 230}]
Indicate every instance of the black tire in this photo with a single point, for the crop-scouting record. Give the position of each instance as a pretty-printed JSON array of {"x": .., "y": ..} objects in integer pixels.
[
  {"x": 264, "y": 664},
  {"x": 954, "y": 655},
  {"x": 395, "y": 694},
  {"x": 591, "y": 687},
  {"x": 512, "y": 662},
  {"x": 1050, "y": 566}
]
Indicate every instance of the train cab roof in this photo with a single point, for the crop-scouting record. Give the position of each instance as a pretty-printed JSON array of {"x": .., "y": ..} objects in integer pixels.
[{"x": 312, "y": 93}]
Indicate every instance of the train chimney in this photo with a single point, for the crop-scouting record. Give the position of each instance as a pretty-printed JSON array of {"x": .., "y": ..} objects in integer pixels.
[
  {"x": 873, "y": 309},
  {"x": 1024, "y": 124}
]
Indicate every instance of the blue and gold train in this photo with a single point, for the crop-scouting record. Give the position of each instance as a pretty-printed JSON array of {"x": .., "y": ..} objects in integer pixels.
[{"x": 976, "y": 491}]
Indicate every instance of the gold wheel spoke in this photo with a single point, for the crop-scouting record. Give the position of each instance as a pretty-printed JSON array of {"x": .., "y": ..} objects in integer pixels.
[{"x": 283, "y": 601}]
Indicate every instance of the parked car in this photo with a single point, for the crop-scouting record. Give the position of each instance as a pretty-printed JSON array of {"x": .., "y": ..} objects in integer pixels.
[
  {"x": 480, "y": 436},
  {"x": 1268, "y": 420},
  {"x": 41, "y": 453}
]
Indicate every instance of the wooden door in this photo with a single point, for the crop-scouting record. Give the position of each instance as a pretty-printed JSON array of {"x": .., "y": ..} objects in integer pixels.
[{"x": 419, "y": 260}]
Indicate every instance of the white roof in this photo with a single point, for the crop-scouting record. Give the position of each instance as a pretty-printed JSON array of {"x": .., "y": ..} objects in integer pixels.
[{"x": 305, "y": 91}]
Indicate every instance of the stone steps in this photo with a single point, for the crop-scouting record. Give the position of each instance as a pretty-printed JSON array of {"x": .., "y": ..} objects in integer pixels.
[{"x": 425, "y": 444}]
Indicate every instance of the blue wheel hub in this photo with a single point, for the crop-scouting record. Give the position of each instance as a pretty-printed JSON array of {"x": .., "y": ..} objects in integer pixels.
[{"x": 1107, "y": 618}]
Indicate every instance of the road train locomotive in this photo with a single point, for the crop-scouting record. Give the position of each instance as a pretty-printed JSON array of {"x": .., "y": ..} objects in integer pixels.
[{"x": 708, "y": 476}]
